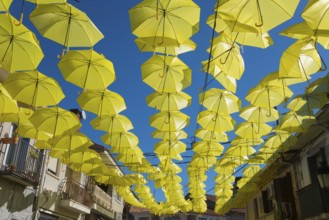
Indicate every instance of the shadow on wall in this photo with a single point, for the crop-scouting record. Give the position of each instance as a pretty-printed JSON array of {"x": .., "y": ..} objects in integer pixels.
[{"x": 16, "y": 196}]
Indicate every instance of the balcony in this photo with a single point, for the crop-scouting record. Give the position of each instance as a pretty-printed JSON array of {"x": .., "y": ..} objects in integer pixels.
[
  {"x": 102, "y": 202},
  {"x": 314, "y": 201},
  {"x": 75, "y": 197},
  {"x": 19, "y": 161}
]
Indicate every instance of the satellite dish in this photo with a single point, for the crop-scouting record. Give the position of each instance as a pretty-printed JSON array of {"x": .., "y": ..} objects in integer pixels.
[{"x": 83, "y": 114}]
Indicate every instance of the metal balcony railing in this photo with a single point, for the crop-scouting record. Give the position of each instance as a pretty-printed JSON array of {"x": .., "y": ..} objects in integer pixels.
[
  {"x": 70, "y": 189},
  {"x": 313, "y": 201},
  {"x": 20, "y": 161}
]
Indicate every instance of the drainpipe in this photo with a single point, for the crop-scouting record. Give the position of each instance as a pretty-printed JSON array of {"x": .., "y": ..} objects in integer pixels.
[{"x": 40, "y": 186}]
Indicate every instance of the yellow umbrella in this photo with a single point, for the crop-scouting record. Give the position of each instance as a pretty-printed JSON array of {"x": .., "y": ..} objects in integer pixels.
[
  {"x": 27, "y": 130},
  {"x": 268, "y": 96},
  {"x": 169, "y": 121},
  {"x": 47, "y": 1},
  {"x": 19, "y": 48},
  {"x": 302, "y": 30},
  {"x": 21, "y": 116},
  {"x": 172, "y": 149},
  {"x": 81, "y": 157},
  {"x": 259, "y": 114},
  {"x": 170, "y": 135},
  {"x": 112, "y": 123},
  {"x": 274, "y": 79},
  {"x": 55, "y": 120},
  {"x": 316, "y": 15},
  {"x": 7, "y": 104},
  {"x": 206, "y": 148},
  {"x": 212, "y": 136},
  {"x": 42, "y": 144},
  {"x": 227, "y": 56},
  {"x": 5, "y": 4},
  {"x": 185, "y": 47},
  {"x": 300, "y": 60},
  {"x": 250, "y": 171},
  {"x": 307, "y": 102},
  {"x": 202, "y": 161},
  {"x": 34, "y": 88},
  {"x": 92, "y": 169},
  {"x": 167, "y": 166},
  {"x": 319, "y": 86},
  {"x": 239, "y": 141},
  {"x": 240, "y": 151},
  {"x": 71, "y": 141},
  {"x": 296, "y": 122},
  {"x": 280, "y": 140},
  {"x": 101, "y": 102},
  {"x": 130, "y": 156},
  {"x": 66, "y": 25},
  {"x": 87, "y": 69},
  {"x": 225, "y": 179},
  {"x": 260, "y": 15},
  {"x": 252, "y": 130},
  {"x": 228, "y": 82},
  {"x": 165, "y": 23},
  {"x": 168, "y": 101},
  {"x": 220, "y": 101},
  {"x": 120, "y": 139},
  {"x": 166, "y": 74},
  {"x": 213, "y": 121}
]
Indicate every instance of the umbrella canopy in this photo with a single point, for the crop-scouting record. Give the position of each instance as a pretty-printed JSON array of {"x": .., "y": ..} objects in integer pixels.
[
  {"x": 5, "y": 4},
  {"x": 87, "y": 69},
  {"x": 54, "y": 120},
  {"x": 7, "y": 104},
  {"x": 213, "y": 121},
  {"x": 169, "y": 121},
  {"x": 220, "y": 101},
  {"x": 206, "y": 148},
  {"x": 168, "y": 101},
  {"x": 82, "y": 157},
  {"x": 34, "y": 88},
  {"x": 165, "y": 23},
  {"x": 21, "y": 116},
  {"x": 252, "y": 130},
  {"x": 166, "y": 74},
  {"x": 202, "y": 161},
  {"x": 170, "y": 135},
  {"x": 319, "y": 86},
  {"x": 27, "y": 130},
  {"x": 303, "y": 30},
  {"x": 19, "y": 48},
  {"x": 101, "y": 102},
  {"x": 239, "y": 141},
  {"x": 296, "y": 122},
  {"x": 317, "y": 16},
  {"x": 120, "y": 139},
  {"x": 240, "y": 151},
  {"x": 262, "y": 16},
  {"x": 307, "y": 102},
  {"x": 259, "y": 114},
  {"x": 250, "y": 171},
  {"x": 274, "y": 79},
  {"x": 78, "y": 30},
  {"x": 112, "y": 123},
  {"x": 47, "y": 1},
  {"x": 280, "y": 140},
  {"x": 300, "y": 60},
  {"x": 172, "y": 149},
  {"x": 71, "y": 141},
  {"x": 212, "y": 136}
]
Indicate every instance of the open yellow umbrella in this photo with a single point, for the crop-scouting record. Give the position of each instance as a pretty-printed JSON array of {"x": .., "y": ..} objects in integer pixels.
[
  {"x": 300, "y": 60},
  {"x": 317, "y": 16},
  {"x": 252, "y": 130},
  {"x": 112, "y": 123},
  {"x": 27, "y": 130},
  {"x": 274, "y": 79},
  {"x": 131, "y": 156},
  {"x": 280, "y": 140},
  {"x": 202, "y": 161},
  {"x": 319, "y": 86},
  {"x": 169, "y": 121},
  {"x": 220, "y": 101},
  {"x": 66, "y": 25},
  {"x": 120, "y": 139},
  {"x": 101, "y": 102},
  {"x": 307, "y": 102},
  {"x": 71, "y": 141},
  {"x": 240, "y": 151},
  {"x": 172, "y": 149},
  {"x": 7, "y": 104},
  {"x": 297, "y": 122},
  {"x": 239, "y": 141},
  {"x": 170, "y": 135},
  {"x": 228, "y": 82},
  {"x": 185, "y": 47},
  {"x": 34, "y": 88},
  {"x": 165, "y": 23},
  {"x": 166, "y": 74},
  {"x": 212, "y": 136},
  {"x": 206, "y": 148},
  {"x": 260, "y": 15},
  {"x": 5, "y": 4},
  {"x": 250, "y": 171},
  {"x": 213, "y": 121},
  {"x": 19, "y": 48},
  {"x": 259, "y": 114},
  {"x": 21, "y": 116},
  {"x": 87, "y": 69},
  {"x": 81, "y": 157},
  {"x": 168, "y": 101},
  {"x": 302, "y": 31},
  {"x": 55, "y": 120}
]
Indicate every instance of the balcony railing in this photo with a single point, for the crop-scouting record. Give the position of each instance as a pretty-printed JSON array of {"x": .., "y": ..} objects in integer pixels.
[
  {"x": 20, "y": 161},
  {"x": 101, "y": 198},
  {"x": 71, "y": 190},
  {"x": 313, "y": 201}
]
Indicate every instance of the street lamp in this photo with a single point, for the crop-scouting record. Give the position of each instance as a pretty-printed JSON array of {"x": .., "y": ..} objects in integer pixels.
[{"x": 323, "y": 175}]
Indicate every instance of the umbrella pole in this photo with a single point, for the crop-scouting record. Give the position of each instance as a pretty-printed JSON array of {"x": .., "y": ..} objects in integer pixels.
[
  {"x": 269, "y": 103},
  {"x": 300, "y": 62},
  {"x": 260, "y": 16},
  {"x": 67, "y": 33},
  {"x": 230, "y": 50},
  {"x": 10, "y": 43},
  {"x": 21, "y": 15}
]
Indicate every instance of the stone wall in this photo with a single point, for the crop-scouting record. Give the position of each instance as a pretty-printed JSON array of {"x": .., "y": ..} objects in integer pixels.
[{"x": 16, "y": 201}]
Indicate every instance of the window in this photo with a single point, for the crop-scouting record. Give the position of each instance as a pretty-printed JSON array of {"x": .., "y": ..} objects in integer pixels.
[
  {"x": 53, "y": 166},
  {"x": 267, "y": 202},
  {"x": 256, "y": 208}
]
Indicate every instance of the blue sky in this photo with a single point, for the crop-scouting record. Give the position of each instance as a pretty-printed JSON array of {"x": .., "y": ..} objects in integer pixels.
[{"x": 112, "y": 18}]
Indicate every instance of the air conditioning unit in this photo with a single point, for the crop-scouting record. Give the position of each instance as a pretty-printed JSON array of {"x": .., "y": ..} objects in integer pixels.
[{"x": 271, "y": 191}]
